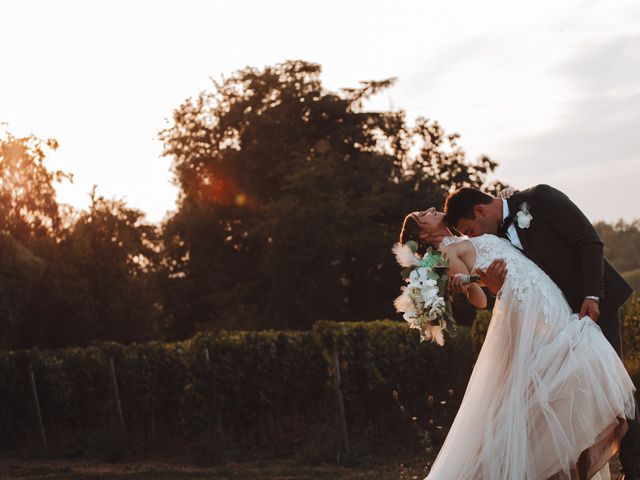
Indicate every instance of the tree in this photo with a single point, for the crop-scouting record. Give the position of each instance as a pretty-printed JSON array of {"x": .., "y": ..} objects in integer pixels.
[
  {"x": 28, "y": 206},
  {"x": 98, "y": 280},
  {"x": 116, "y": 252},
  {"x": 442, "y": 161},
  {"x": 66, "y": 277},
  {"x": 621, "y": 243},
  {"x": 29, "y": 214},
  {"x": 20, "y": 273},
  {"x": 291, "y": 197}
]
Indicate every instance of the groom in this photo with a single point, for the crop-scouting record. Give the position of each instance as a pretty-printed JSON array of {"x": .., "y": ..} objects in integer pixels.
[{"x": 552, "y": 231}]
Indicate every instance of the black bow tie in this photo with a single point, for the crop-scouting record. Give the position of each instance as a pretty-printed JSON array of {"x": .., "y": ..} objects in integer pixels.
[{"x": 504, "y": 226}]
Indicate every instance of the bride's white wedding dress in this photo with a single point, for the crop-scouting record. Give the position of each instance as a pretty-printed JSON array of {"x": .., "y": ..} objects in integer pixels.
[{"x": 548, "y": 396}]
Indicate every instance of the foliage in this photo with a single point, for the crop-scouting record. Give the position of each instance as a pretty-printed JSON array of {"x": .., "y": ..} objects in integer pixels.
[
  {"x": 225, "y": 395},
  {"x": 621, "y": 243},
  {"x": 291, "y": 196},
  {"x": 633, "y": 278},
  {"x": 20, "y": 272},
  {"x": 97, "y": 284},
  {"x": 226, "y": 392},
  {"x": 28, "y": 205},
  {"x": 631, "y": 336},
  {"x": 479, "y": 329},
  {"x": 115, "y": 253},
  {"x": 67, "y": 277}
]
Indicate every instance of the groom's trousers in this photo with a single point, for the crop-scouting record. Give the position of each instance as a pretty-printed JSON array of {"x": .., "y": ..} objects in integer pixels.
[{"x": 611, "y": 325}]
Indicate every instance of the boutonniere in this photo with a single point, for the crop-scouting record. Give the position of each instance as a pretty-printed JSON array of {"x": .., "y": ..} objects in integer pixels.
[{"x": 524, "y": 217}]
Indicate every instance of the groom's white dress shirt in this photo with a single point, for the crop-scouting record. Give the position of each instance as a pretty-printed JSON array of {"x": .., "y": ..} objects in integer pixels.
[{"x": 512, "y": 234}]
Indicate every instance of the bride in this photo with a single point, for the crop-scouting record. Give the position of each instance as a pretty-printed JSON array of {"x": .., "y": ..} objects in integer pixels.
[{"x": 548, "y": 397}]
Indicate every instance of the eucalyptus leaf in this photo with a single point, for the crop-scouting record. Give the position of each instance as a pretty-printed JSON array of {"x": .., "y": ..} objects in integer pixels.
[
  {"x": 406, "y": 272},
  {"x": 413, "y": 245}
]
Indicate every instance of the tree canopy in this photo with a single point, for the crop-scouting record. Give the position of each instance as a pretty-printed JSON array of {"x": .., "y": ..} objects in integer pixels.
[
  {"x": 28, "y": 205},
  {"x": 291, "y": 197},
  {"x": 69, "y": 277}
]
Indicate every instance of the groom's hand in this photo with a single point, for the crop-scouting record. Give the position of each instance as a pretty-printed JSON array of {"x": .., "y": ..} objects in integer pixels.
[
  {"x": 494, "y": 276},
  {"x": 590, "y": 308}
]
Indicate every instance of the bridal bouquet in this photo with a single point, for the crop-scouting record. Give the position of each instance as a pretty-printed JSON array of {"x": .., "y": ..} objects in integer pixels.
[{"x": 425, "y": 301}]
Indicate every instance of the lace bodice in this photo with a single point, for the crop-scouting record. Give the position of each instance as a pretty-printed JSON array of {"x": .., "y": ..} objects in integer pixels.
[
  {"x": 446, "y": 241},
  {"x": 490, "y": 247},
  {"x": 524, "y": 277}
]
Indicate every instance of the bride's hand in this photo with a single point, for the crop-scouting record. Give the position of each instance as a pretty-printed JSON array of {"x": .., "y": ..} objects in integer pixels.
[
  {"x": 457, "y": 285},
  {"x": 507, "y": 193}
]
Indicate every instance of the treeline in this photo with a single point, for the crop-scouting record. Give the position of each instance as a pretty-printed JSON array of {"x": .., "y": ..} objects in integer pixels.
[
  {"x": 69, "y": 277},
  {"x": 290, "y": 198},
  {"x": 622, "y": 247}
]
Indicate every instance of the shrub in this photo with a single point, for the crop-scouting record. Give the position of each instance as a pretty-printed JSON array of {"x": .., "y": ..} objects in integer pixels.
[{"x": 222, "y": 394}]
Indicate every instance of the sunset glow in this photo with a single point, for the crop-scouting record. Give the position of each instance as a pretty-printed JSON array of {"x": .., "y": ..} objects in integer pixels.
[{"x": 548, "y": 90}]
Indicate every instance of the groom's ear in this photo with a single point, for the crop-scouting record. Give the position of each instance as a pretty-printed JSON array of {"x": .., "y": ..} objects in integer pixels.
[{"x": 480, "y": 210}]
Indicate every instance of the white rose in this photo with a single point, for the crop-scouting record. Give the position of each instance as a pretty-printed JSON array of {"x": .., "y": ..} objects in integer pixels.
[
  {"x": 429, "y": 294},
  {"x": 523, "y": 219}
]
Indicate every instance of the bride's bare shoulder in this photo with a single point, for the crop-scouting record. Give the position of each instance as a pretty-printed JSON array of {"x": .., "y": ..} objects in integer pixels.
[
  {"x": 462, "y": 250},
  {"x": 455, "y": 245}
]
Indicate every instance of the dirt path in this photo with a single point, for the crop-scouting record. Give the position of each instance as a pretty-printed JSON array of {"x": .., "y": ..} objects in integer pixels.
[
  {"x": 82, "y": 469},
  {"x": 14, "y": 469}
]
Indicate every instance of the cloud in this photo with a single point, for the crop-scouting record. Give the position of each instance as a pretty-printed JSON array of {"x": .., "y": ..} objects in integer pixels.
[
  {"x": 605, "y": 66},
  {"x": 592, "y": 149},
  {"x": 600, "y": 119}
]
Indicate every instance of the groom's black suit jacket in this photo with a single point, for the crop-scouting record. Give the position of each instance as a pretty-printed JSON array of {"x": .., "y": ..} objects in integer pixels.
[{"x": 563, "y": 242}]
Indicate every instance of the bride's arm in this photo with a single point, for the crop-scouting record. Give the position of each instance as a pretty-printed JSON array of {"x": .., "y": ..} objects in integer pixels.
[{"x": 472, "y": 291}]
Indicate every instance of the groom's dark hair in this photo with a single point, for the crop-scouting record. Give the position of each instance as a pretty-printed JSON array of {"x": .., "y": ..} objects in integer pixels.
[{"x": 460, "y": 203}]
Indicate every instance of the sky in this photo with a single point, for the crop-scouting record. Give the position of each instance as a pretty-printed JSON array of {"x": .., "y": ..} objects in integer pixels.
[{"x": 550, "y": 90}]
